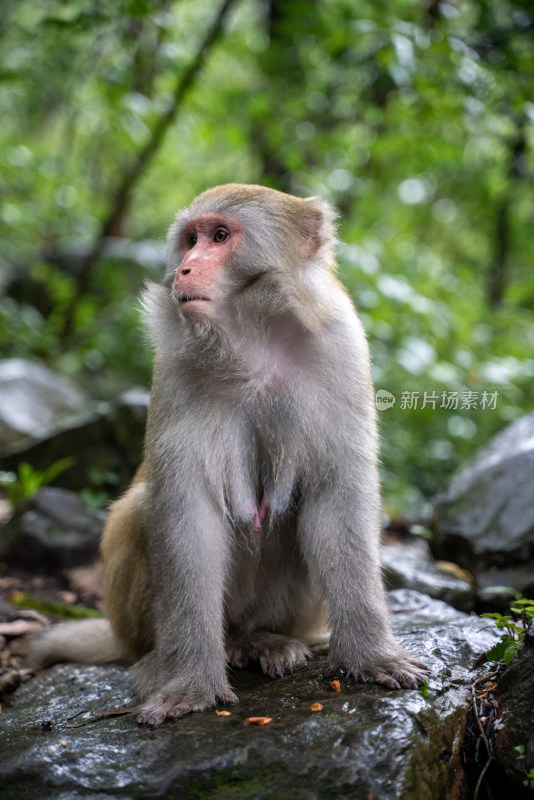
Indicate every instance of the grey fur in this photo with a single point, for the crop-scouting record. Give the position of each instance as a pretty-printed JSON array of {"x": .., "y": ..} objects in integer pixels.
[{"x": 270, "y": 394}]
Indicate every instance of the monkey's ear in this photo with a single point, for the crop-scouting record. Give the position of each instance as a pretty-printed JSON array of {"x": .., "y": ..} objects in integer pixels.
[
  {"x": 317, "y": 226},
  {"x": 311, "y": 232}
]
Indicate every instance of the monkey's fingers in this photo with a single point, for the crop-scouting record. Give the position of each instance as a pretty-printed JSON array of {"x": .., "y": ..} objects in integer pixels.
[
  {"x": 156, "y": 710},
  {"x": 410, "y": 674},
  {"x": 229, "y": 697},
  {"x": 385, "y": 680},
  {"x": 332, "y": 669},
  {"x": 419, "y": 664},
  {"x": 403, "y": 674}
]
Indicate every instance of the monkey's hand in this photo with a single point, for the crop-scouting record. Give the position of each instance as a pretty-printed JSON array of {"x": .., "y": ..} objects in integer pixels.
[
  {"x": 401, "y": 672},
  {"x": 171, "y": 703}
]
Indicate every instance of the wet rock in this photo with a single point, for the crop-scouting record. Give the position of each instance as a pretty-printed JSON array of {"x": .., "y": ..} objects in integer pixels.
[
  {"x": 515, "y": 733},
  {"x": 405, "y": 568},
  {"x": 485, "y": 519},
  {"x": 367, "y": 741},
  {"x": 52, "y": 529},
  {"x": 34, "y": 401}
]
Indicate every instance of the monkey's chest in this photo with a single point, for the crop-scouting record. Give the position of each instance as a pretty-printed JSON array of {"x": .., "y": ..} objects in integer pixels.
[{"x": 261, "y": 482}]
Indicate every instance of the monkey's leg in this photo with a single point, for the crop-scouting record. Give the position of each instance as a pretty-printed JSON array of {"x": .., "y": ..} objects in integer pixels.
[
  {"x": 277, "y": 654},
  {"x": 339, "y": 537},
  {"x": 186, "y": 670},
  {"x": 127, "y": 598},
  {"x": 277, "y": 614},
  {"x": 127, "y": 589}
]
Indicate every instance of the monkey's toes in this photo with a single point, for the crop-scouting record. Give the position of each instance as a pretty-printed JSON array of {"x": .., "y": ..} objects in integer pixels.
[
  {"x": 282, "y": 655},
  {"x": 237, "y": 657},
  {"x": 277, "y": 654}
]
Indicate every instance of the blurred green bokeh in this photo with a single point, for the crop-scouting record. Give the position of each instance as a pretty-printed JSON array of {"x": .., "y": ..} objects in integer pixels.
[{"x": 414, "y": 118}]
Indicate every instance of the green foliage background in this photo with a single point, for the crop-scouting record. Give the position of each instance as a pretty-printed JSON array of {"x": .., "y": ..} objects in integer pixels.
[{"x": 415, "y": 118}]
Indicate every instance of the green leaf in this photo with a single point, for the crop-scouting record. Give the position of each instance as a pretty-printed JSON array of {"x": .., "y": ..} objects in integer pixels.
[
  {"x": 510, "y": 652},
  {"x": 55, "y": 469},
  {"x": 497, "y": 652}
]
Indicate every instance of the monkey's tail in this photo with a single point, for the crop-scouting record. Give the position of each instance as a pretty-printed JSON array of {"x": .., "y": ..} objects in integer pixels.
[{"x": 89, "y": 641}]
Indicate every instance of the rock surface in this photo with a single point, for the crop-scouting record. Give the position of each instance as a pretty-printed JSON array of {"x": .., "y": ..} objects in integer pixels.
[
  {"x": 52, "y": 530},
  {"x": 106, "y": 446},
  {"x": 405, "y": 568},
  {"x": 34, "y": 401},
  {"x": 485, "y": 520},
  {"x": 366, "y": 742}
]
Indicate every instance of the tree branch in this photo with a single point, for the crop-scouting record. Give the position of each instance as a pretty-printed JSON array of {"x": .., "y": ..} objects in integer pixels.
[
  {"x": 132, "y": 173},
  {"x": 498, "y": 268}
]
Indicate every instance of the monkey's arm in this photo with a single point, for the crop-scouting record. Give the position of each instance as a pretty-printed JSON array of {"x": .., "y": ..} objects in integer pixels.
[
  {"x": 339, "y": 536},
  {"x": 186, "y": 670}
]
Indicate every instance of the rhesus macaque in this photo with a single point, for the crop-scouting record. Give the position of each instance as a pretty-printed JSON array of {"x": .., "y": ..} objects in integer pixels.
[{"x": 255, "y": 518}]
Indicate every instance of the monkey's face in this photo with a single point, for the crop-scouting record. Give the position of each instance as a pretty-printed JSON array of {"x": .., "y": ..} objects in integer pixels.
[
  {"x": 203, "y": 280},
  {"x": 242, "y": 257}
]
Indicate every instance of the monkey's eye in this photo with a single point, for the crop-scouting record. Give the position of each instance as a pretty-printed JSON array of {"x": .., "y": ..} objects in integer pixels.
[
  {"x": 192, "y": 240},
  {"x": 221, "y": 235}
]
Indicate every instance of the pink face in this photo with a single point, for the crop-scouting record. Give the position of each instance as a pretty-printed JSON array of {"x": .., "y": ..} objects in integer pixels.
[{"x": 206, "y": 243}]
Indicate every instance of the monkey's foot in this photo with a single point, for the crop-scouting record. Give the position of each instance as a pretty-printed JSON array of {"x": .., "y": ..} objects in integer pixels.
[
  {"x": 173, "y": 705},
  {"x": 277, "y": 654},
  {"x": 402, "y": 673}
]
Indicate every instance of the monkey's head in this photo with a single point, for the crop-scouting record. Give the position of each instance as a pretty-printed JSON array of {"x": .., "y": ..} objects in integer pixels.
[{"x": 246, "y": 249}]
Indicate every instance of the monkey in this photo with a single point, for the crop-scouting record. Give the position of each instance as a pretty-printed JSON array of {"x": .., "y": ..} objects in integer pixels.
[{"x": 254, "y": 520}]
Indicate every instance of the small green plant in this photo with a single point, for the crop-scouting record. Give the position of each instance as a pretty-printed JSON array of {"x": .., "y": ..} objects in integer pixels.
[
  {"x": 27, "y": 482},
  {"x": 25, "y": 600},
  {"x": 514, "y": 627},
  {"x": 94, "y": 499},
  {"x": 424, "y": 689},
  {"x": 529, "y": 779}
]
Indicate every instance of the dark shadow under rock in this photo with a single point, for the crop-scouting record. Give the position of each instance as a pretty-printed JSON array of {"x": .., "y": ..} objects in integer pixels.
[
  {"x": 52, "y": 530},
  {"x": 367, "y": 741},
  {"x": 515, "y": 732}
]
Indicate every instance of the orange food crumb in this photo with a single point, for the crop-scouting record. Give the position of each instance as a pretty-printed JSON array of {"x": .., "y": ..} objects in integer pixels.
[
  {"x": 223, "y": 713},
  {"x": 335, "y": 685},
  {"x": 317, "y": 707},
  {"x": 258, "y": 720},
  {"x": 63, "y": 743}
]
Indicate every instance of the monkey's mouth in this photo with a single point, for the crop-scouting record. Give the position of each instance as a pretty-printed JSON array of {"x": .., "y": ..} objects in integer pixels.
[{"x": 192, "y": 298}]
